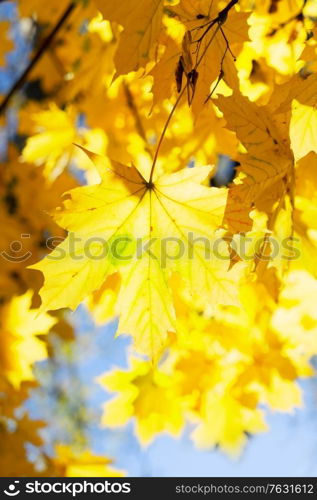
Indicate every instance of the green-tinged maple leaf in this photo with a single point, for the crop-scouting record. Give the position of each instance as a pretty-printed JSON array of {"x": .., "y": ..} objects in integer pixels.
[{"x": 174, "y": 218}]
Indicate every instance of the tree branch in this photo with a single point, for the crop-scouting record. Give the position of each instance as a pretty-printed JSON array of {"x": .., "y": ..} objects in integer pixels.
[{"x": 38, "y": 54}]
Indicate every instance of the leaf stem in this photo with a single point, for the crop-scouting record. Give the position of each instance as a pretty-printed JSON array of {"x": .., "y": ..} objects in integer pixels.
[{"x": 164, "y": 131}]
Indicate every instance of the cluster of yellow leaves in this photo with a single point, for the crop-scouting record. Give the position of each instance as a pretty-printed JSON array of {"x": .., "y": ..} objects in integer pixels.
[
  {"x": 24, "y": 193},
  {"x": 219, "y": 370},
  {"x": 148, "y": 89}
]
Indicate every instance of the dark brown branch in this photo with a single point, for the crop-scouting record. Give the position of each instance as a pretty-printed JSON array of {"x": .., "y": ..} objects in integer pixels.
[{"x": 38, "y": 54}]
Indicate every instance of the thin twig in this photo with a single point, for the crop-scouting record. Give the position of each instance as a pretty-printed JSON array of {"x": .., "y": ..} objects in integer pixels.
[
  {"x": 199, "y": 60},
  {"x": 221, "y": 72},
  {"x": 220, "y": 77}
]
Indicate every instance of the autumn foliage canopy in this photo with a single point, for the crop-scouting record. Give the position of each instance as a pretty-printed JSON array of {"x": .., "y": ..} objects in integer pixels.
[{"x": 160, "y": 168}]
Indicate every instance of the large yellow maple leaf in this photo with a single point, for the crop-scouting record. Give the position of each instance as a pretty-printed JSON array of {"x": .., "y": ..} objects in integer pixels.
[{"x": 145, "y": 229}]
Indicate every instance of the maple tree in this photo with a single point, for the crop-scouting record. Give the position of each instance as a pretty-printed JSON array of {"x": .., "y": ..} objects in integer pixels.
[{"x": 110, "y": 197}]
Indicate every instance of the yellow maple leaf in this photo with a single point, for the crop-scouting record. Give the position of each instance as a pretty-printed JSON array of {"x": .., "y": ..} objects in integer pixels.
[
  {"x": 53, "y": 142},
  {"x": 305, "y": 214},
  {"x": 269, "y": 157},
  {"x": 102, "y": 302},
  {"x": 267, "y": 168},
  {"x": 295, "y": 319},
  {"x": 141, "y": 21},
  {"x": 300, "y": 94},
  {"x": 147, "y": 394},
  {"x": 310, "y": 9},
  {"x": 218, "y": 425},
  {"x": 20, "y": 345},
  {"x": 279, "y": 35},
  {"x": 84, "y": 464},
  {"x": 303, "y": 128},
  {"x": 163, "y": 72}
]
